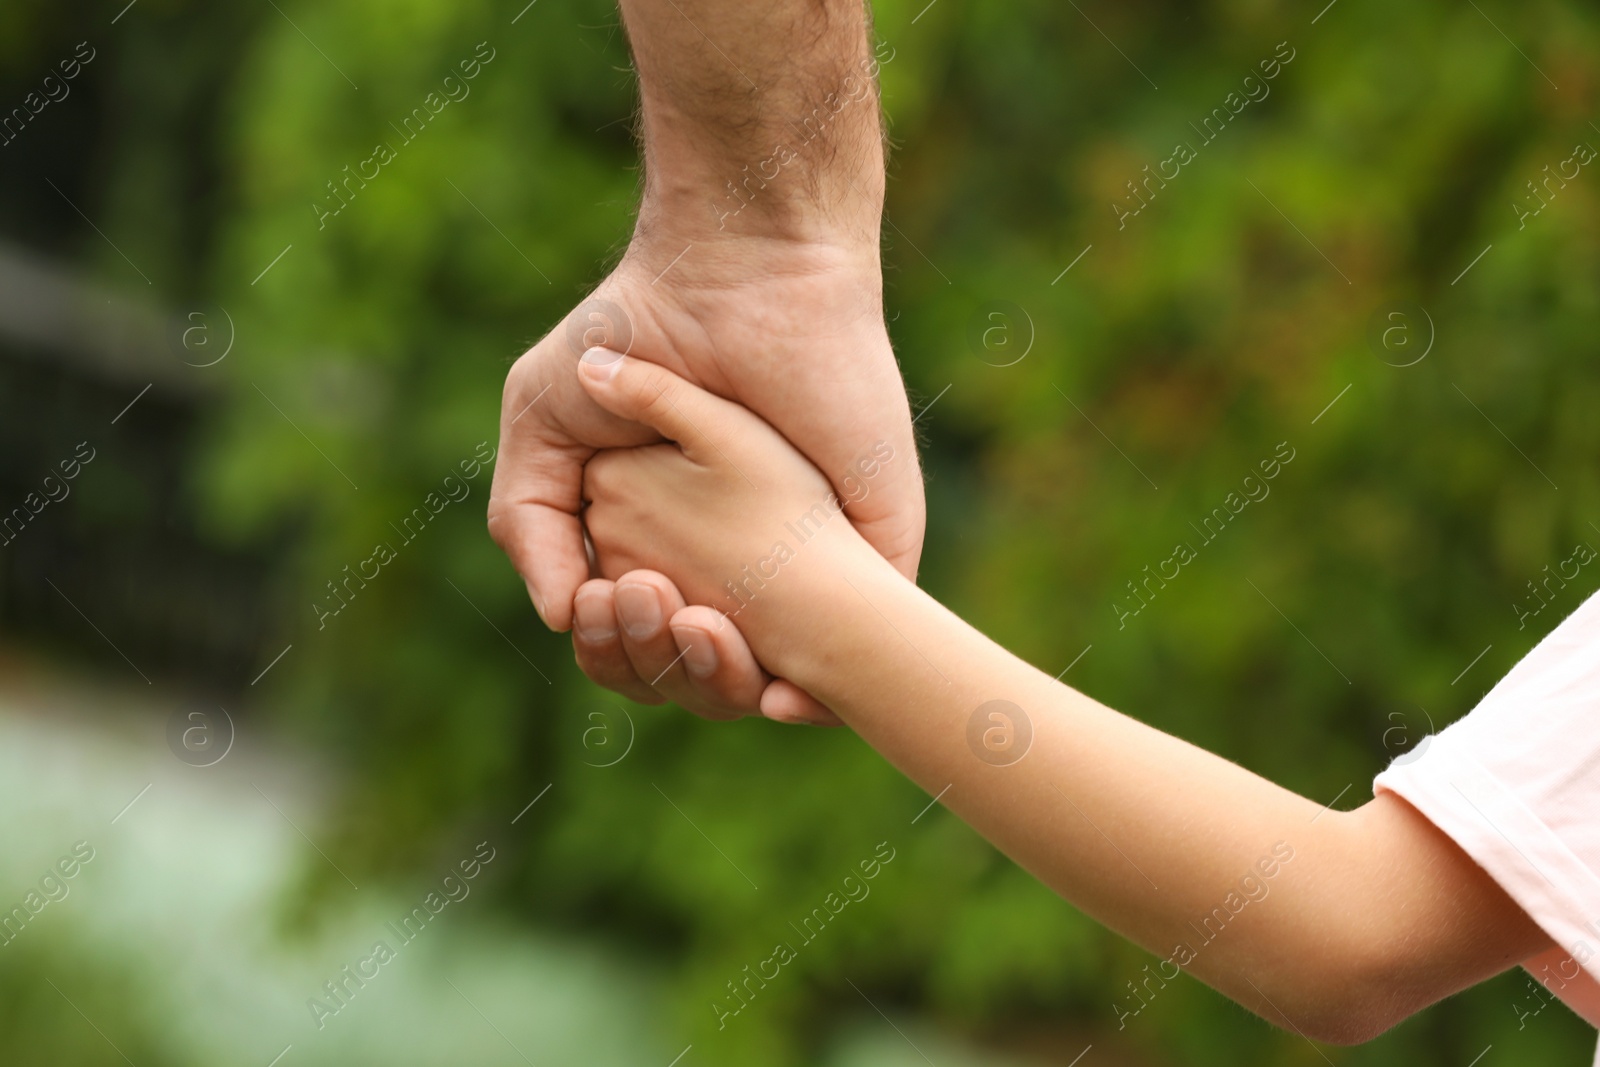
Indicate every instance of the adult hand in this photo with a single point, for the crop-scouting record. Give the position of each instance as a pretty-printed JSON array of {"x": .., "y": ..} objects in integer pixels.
[
  {"x": 753, "y": 273},
  {"x": 792, "y": 330}
]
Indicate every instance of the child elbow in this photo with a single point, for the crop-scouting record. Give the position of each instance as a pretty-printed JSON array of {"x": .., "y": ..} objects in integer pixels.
[
  {"x": 1354, "y": 998},
  {"x": 1348, "y": 1021}
]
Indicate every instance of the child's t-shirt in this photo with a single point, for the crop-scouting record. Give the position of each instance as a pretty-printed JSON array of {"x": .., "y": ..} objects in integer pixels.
[{"x": 1516, "y": 783}]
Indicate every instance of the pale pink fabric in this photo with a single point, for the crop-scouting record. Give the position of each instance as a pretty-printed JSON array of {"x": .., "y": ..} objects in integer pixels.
[{"x": 1516, "y": 783}]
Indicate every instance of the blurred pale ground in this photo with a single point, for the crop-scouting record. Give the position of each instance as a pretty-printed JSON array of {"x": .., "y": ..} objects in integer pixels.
[{"x": 186, "y": 890}]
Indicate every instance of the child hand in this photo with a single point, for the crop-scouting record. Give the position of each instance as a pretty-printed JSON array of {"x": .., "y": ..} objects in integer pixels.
[{"x": 731, "y": 511}]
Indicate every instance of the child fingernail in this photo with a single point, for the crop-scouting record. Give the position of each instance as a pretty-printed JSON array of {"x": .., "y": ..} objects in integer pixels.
[
  {"x": 698, "y": 653},
  {"x": 600, "y": 364}
]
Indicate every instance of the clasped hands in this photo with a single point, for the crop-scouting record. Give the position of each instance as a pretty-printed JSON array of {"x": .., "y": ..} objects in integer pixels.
[{"x": 767, "y": 366}]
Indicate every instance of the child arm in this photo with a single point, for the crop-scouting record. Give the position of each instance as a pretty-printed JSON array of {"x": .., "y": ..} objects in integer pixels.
[
  {"x": 1333, "y": 924},
  {"x": 1359, "y": 919}
]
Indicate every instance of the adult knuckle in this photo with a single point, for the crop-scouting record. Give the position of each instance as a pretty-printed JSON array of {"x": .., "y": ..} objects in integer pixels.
[
  {"x": 498, "y": 518},
  {"x": 517, "y": 379}
]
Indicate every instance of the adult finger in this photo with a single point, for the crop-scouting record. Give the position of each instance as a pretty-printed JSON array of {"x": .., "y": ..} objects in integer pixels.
[
  {"x": 549, "y": 427},
  {"x": 725, "y": 674},
  {"x": 717, "y": 660},
  {"x": 783, "y": 701},
  {"x": 597, "y": 643},
  {"x": 646, "y": 600},
  {"x": 545, "y": 545},
  {"x": 534, "y": 496}
]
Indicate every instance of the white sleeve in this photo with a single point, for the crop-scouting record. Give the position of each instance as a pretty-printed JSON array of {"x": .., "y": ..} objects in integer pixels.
[{"x": 1516, "y": 784}]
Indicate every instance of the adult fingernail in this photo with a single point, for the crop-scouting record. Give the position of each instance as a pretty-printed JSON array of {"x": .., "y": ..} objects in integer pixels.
[
  {"x": 640, "y": 610},
  {"x": 600, "y": 364},
  {"x": 594, "y": 621},
  {"x": 699, "y": 655},
  {"x": 538, "y": 603}
]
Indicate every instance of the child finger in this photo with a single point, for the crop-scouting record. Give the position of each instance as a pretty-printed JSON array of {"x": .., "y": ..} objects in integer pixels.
[{"x": 641, "y": 391}]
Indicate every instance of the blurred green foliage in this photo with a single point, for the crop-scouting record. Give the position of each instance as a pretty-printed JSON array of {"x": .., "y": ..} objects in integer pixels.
[
  {"x": 1176, "y": 354},
  {"x": 40, "y": 1019}
]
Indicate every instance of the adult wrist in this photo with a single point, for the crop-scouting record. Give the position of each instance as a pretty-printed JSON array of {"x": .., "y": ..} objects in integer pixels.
[
  {"x": 772, "y": 191},
  {"x": 695, "y": 213},
  {"x": 664, "y": 253}
]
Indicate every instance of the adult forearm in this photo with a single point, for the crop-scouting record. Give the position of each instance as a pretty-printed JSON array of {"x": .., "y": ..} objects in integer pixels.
[{"x": 758, "y": 119}]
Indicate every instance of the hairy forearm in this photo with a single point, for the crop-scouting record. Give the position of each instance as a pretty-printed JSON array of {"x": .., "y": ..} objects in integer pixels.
[
  {"x": 1335, "y": 924},
  {"x": 758, "y": 119}
]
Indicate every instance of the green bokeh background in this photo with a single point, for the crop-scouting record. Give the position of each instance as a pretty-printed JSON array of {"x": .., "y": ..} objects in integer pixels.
[{"x": 1176, "y": 354}]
